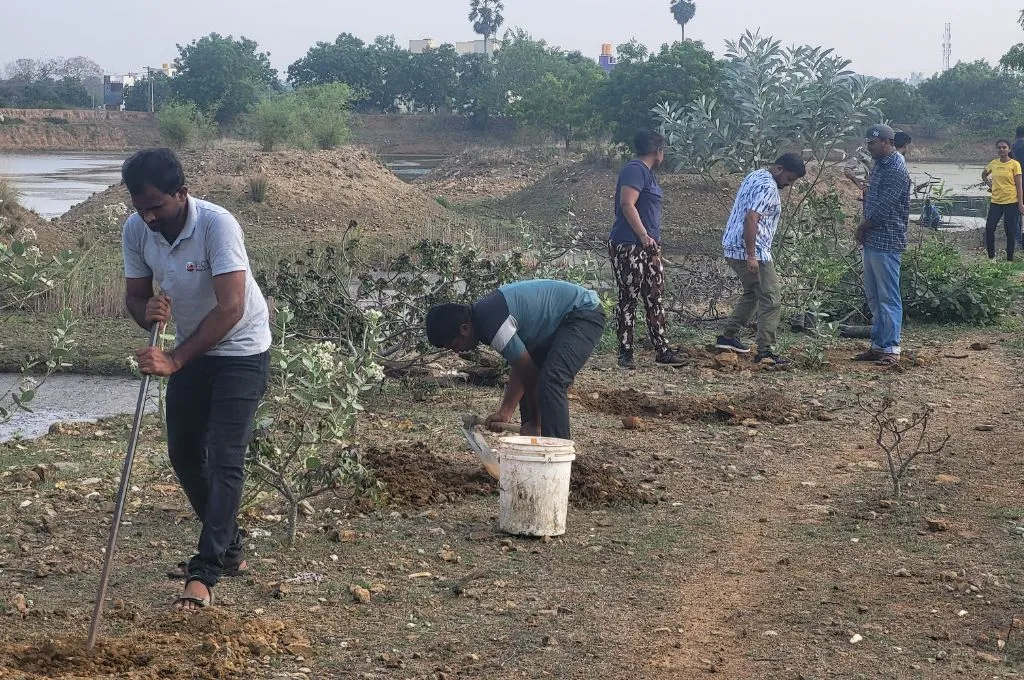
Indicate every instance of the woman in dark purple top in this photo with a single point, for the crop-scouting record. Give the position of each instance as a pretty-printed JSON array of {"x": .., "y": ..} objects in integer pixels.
[{"x": 635, "y": 249}]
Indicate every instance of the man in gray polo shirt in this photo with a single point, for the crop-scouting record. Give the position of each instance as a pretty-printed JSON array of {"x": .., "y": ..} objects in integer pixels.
[{"x": 194, "y": 251}]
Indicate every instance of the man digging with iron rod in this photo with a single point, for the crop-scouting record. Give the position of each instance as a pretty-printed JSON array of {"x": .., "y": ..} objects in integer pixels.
[
  {"x": 546, "y": 330},
  {"x": 217, "y": 372}
]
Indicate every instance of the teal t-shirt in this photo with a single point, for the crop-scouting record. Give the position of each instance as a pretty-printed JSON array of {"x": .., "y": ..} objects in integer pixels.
[{"x": 525, "y": 315}]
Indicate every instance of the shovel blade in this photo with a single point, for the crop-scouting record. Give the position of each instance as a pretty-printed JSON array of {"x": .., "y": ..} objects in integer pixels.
[{"x": 483, "y": 452}]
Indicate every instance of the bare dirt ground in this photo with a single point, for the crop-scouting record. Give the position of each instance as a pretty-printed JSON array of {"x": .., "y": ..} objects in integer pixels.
[{"x": 746, "y": 530}]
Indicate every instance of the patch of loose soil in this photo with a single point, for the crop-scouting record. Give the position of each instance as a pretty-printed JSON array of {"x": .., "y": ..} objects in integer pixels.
[
  {"x": 415, "y": 475},
  {"x": 763, "y": 405},
  {"x": 312, "y": 196},
  {"x": 595, "y": 483},
  {"x": 208, "y": 644}
]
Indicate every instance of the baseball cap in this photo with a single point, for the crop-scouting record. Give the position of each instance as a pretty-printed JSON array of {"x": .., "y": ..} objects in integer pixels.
[{"x": 879, "y": 131}]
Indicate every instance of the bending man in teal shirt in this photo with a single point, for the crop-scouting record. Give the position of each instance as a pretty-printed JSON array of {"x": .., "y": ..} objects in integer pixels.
[{"x": 546, "y": 330}]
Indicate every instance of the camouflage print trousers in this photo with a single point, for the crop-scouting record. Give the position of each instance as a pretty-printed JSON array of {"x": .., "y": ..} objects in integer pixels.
[{"x": 639, "y": 273}]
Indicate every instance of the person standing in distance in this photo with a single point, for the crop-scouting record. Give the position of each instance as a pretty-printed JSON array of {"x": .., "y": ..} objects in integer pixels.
[
  {"x": 217, "y": 372},
  {"x": 901, "y": 140},
  {"x": 883, "y": 233},
  {"x": 1017, "y": 150},
  {"x": 1003, "y": 178},
  {"x": 747, "y": 244},
  {"x": 634, "y": 247}
]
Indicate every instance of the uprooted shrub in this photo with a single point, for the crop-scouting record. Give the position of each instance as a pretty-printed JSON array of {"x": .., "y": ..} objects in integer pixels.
[
  {"x": 940, "y": 284},
  {"x": 328, "y": 288},
  {"x": 822, "y": 271}
]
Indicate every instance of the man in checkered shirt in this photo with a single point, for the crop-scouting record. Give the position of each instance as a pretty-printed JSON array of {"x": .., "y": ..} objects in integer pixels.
[{"x": 883, "y": 233}]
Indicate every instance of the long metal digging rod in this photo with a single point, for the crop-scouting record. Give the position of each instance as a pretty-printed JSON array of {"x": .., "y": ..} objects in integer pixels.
[{"x": 122, "y": 493}]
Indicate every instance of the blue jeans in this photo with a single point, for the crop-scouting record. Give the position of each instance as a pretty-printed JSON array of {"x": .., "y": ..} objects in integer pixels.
[{"x": 882, "y": 288}]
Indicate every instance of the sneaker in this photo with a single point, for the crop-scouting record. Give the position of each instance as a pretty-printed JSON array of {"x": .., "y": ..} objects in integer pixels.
[
  {"x": 771, "y": 356},
  {"x": 670, "y": 358},
  {"x": 626, "y": 359},
  {"x": 731, "y": 345}
]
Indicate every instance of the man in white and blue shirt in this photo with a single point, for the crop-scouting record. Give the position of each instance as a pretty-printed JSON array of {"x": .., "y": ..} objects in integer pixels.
[{"x": 747, "y": 244}]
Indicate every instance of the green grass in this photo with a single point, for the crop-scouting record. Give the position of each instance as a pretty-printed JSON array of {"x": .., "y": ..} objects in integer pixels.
[{"x": 103, "y": 343}]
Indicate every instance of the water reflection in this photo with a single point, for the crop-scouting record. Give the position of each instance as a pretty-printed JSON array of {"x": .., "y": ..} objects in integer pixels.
[{"x": 51, "y": 184}]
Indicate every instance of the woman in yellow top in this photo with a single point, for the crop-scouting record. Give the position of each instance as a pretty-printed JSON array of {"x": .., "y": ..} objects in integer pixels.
[{"x": 1003, "y": 177}]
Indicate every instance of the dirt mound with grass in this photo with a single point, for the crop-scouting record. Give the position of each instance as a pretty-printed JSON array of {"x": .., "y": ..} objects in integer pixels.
[
  {"x": 207, "y": 644},
  {"x": 492, "y": 173},
  {"x": 311, "y": 196},
  {"x": 18, "y": 219},
  {"x": 695, "y": 208}
]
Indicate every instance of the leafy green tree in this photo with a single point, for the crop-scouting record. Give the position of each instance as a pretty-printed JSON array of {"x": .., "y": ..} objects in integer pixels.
[
  {"x": 770, "y": 97},
  {"x": 903, "y": 103},
  {"x": 324, "y": 113},
  {"x": 344, "y": 60},
  {"x": 682, "y": 72},
  {"x": 66, "y": 93},
  {"x": 562, "y": 101},
  {"x": 380, "y": 75},
  {"x": 181, "y": 124},
  {"x": 274, "y": 120},
  {"x": 223, "y": 76},
  {"x": 72, "y": 93},
  {"x": 632, "y": 52},
  {"x": 137, "y": 96},
  {"x": 486, "y": 18},
  {"x": 472, "y": 97},
  {"x": 974, "y": 93},
  {"x": 683, "y": 12},
  {"x": 435, "y": 79},
  {"x": 390, "y": 75}
]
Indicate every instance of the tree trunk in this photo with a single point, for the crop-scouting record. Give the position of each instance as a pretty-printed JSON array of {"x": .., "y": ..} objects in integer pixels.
[
  {"x": 486, "y": 54},
  {"x": 293, "y": 521},
  {"x": 684, "y": 31}
]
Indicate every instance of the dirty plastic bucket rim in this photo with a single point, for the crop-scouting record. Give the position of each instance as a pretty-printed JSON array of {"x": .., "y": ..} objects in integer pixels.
[
  {"x": 541, "y": 457},
  {"x": 536, "y": 446}
]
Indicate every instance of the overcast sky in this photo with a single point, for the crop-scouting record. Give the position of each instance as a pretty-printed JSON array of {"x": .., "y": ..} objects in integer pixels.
[{"x": 882, "y": 37}]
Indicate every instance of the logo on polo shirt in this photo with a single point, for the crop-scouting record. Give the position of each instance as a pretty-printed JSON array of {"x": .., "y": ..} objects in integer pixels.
[{"x": 197, "y": 266}]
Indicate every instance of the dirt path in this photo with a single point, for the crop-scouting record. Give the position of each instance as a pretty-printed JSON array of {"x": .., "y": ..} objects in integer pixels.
[{"x": 758, "y": 583}]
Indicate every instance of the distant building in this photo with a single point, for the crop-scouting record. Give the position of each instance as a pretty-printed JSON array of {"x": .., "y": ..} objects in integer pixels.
[
  {"x": 464, "y": 47},
  {"x": 607, "y": 59},
  {"x": 476, "y": 47},
  {"x": 113, "y": 91},
  {"x": 421, "y": 46},
  {"x": 916, "y": 78}
]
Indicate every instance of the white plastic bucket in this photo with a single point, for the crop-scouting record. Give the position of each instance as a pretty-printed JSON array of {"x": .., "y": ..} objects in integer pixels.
[{"x": 534, "y": 498}]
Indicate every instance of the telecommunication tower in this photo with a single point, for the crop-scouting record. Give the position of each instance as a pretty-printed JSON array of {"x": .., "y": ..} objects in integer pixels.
[{"x": 947, "y": 46}]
